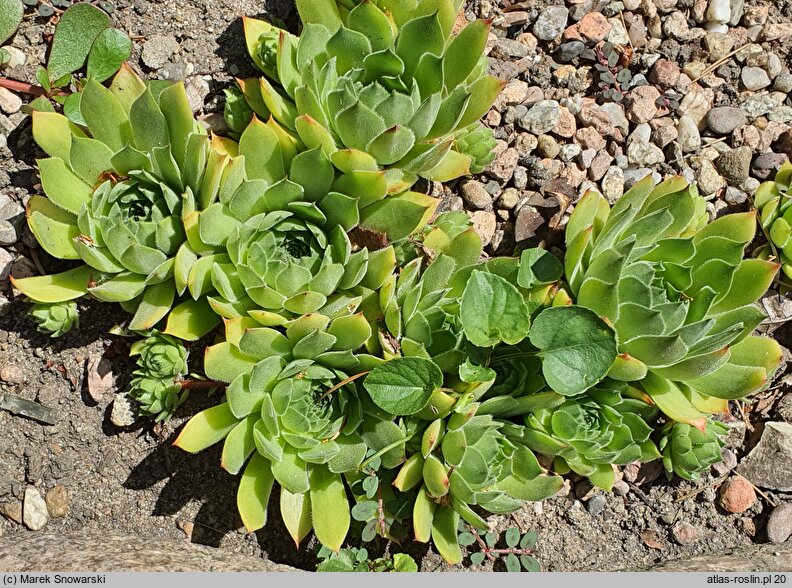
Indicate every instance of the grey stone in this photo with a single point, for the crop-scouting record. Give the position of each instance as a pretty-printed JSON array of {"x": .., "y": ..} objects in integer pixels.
[
  {"x": 688, "y": 136},
  {"x": 596, "y": 505},
  {"x": 10, "y": 103},
  {"x": 725, "y": 119},
  {"x": 476, "y": 195},
  {"x": 158, "y": 49},
  {"x": 758, "y": 105},
  {"x": 767, "y": 164},
  {"x": 769, "y": 465},
  {"x": 783, "y": 83},
  {"x": 34, "y": 509},
  {"x": 779, "y": 525},
  {"x": 754, "y": 78},
  {"x": 568, "y": 51},
  {"x": 643, "y": 153},
  {"x": 542, "y": 117},
  {"x": 735, "y": 165},
  {"x": 551, "y": 23},
  {"x": 734, "y": 196},
  {"x": 95, "y": 551}
]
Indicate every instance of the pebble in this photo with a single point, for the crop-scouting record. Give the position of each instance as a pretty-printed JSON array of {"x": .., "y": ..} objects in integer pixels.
[
  {"x": 123, "y": 412},
  {"x": 596, "y": 505},
  {"x": 688, "y": 136},
  {"x": 777, "y": 32},
  {"x": 709, "y": 180},
  {"x": 644, "y": 153},
  {"x": 593, "y": 27},
  {"x": 566, "y": 126},
  {"x": 551, "y": 23},
  {"x": 512, "y": 94},
  {"x": 12, "y": 374},
  {"x": 665, "y": 73},
  {"x": 548, "y": 147},
  {"x": 570, "y": 50},
  {"x": 642, "y": 104},
  {"x": 57, "y": 499},
  {"x": 725, "y": 119},
  {"x": 542, "y": 117},
  {"x": 508, "y": 198},
  {"x": 718, "y": 45},
  {"x": 737, "y": 494},
  {"x": 12, "y": 511},
  {"x": 621, "y": 488},
  {"x": 528, "y": 220},
  {"x": 783, "y": 83},
  {"x": 754, "y": 78},
  {"x": 484, "y": 224},
  {"x": 503, "y": 166},
  {"x": 728, "y": 458},
  {"x": 767, "y": 164},
  {"x": 735, "y": 165},
  {"x": 779, "y": 525},
  {"x": 476, "y": 195},
  {"x": 10, "y": 103},
  {"x": 684, "y": 533},
  {"x": 718, "y": 11},
  {"x": 34, "y": 509},
  {"x": 158, "y": 49},
  {"x": 613, "y": 184}
]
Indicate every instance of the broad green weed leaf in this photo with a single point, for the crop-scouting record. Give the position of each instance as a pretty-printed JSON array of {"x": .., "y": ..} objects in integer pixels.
[
  {"x": 10, "y": 18},
  {"x": 403, "y": 386},
  {"x": 493, "y": 311},
  {"x": 576, "y": 346},
  {"x": 75, "y": 34},
  {"x": 110, "y": 49}
]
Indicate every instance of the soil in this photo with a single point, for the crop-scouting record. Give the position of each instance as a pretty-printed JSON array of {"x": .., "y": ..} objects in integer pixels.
[{"x": 133, "y": 480}]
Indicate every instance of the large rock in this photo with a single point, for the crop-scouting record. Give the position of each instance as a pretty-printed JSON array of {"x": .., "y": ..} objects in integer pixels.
[
  {"x": 96, "y": 551},
  {"x": 769, "y": 464}
]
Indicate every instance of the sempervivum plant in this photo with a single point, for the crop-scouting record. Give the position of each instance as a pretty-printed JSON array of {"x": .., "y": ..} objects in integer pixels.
[
  {"x": 156, "y": 387},
  {"x": 55, "y": 319},
  {"x": 590, "y": 433},
  {"x": 688, "y": 451},
  {"x": 291, "y": 416},
  {"x": 391, "y": 81},
  {"x": 678, "y": 294},
  {"x": 127, "y": 178},
  {"x": 464, "y": 463},
  {"x": 774, "y": 203}
]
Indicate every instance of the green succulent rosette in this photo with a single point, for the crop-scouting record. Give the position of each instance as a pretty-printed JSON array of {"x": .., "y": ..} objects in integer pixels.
[
  {"x": 591, "y": 433},
  {"x": 291, "y": 416},
  {"x": 773, "y": 200},
  {"x": 160, "y": 355},
  {"x": 132, "y": 188},
  {"x": 390, "y": 82},
  {"x": 466, "y": 464},
  {"x": 157, "y": 398},
  {"x": 689, "y": 451},
  {"x": 678, "y": 294},
  {"x": 55, "y": 319}
]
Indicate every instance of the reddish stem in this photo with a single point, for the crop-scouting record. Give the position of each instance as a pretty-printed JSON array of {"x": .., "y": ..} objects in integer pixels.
[
  {"x": 23, "y": 87},
  {"x": 201, "y": 384}
]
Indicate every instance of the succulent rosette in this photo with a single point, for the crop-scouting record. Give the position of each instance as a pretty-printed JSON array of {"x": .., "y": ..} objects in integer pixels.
[
  {"x": 157, "y": 398},
  {"x": 688, "y": 451},
  {"x": 590, "y": 433},
  {"x": 393, "y": 82},
  {"x": 291, "y": 416},
  {"x": 466, "y": 462},
  {"x": 132, "y": 185},
  {"x": 773, "y": 200},
  {"x": 160, "y": 355},
  {"x": 678, "y": 293},
  {"x": 55, "y": 319}
]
